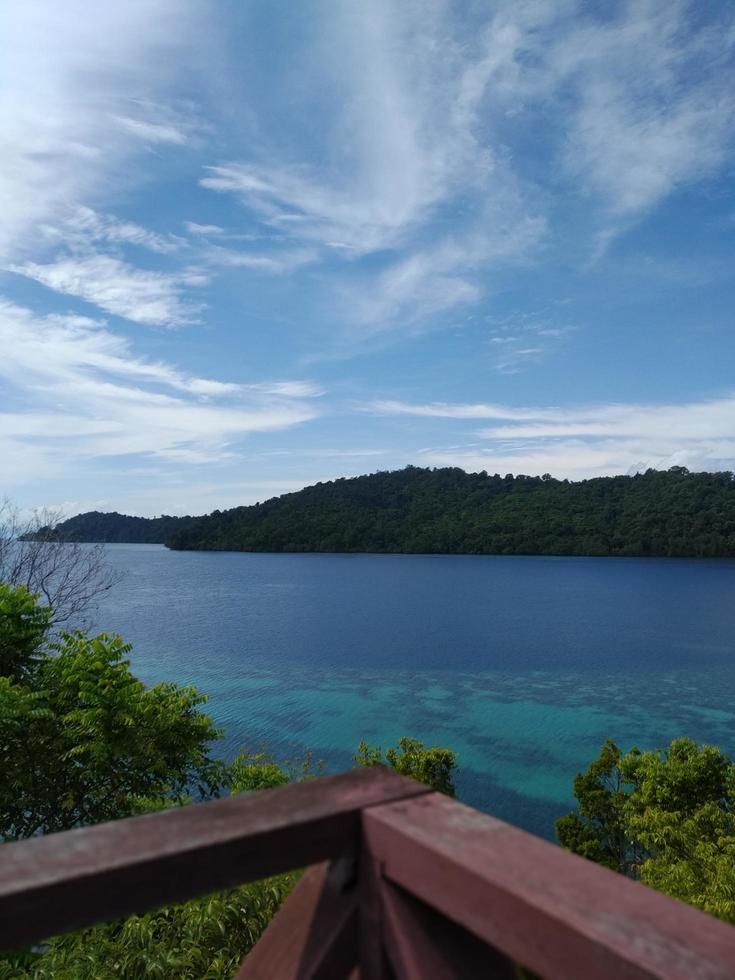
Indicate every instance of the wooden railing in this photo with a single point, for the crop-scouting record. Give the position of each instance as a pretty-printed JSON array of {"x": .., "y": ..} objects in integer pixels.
[{"x": 400, "y": 882}]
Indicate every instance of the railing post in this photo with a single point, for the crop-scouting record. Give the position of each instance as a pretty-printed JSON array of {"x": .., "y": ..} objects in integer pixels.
[
  {"x": 313, "y": 936},
  {"x": 371, "y": 946}
]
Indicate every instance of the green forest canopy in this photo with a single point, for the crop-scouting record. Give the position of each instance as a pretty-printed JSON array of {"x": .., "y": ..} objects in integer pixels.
[{"x": 449, "y": 511}]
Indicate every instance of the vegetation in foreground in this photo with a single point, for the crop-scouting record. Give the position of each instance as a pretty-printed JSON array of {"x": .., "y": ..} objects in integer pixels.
[
  {"x": 664, "y": 817},
  {"x": 449, "y": 511}
]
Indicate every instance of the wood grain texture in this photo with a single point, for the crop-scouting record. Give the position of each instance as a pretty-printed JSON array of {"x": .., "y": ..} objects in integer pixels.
[
  {"x": 54, "y": 884},
  {"x": 554, "y": 912}
]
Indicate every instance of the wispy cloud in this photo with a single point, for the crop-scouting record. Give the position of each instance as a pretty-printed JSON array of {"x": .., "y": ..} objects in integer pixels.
[
  {"x": 75, "y": 98},
  {"x": 584, "y": 441},
  {"x": 639, "y": 100},
  {"x": 517, "y": 342},
  {"x": 84, "y": 227},
  {"x": 151, "y": 131},
  {"x": 408, "y": 144},
  {"x": 141, "y": 295},
  {"x": 84, "y": 394},
  {"x": 420, "y": 160},
  {"x": 196, "y": 229},
  {"x": 441, "y": 277},
  {"x": 647, "y": 120},
  {"x": 290, "y": 389},
  {"x": 276, "y": 261},
  {"x": 394, "y": 147}
]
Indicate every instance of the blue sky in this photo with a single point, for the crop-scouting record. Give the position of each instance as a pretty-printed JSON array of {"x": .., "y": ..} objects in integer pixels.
[{"x": 249, "y": 246}]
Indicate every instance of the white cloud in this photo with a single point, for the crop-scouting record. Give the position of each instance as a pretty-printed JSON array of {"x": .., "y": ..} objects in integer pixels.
[
  {"x": 290, "y": 389},
  {"x": 275, "y": 262},
  {"x": 418, "y": 154},
  {"x": 638, "y": 103},
  {"x": 451, "y": 410},
  {"x": 519, "y": 341},
  {"x": 579, "y": 460},
  {"x": 85, "y": 226},
  {"x": 76, "y": 87},
  {"x": 584, "y": 441},
  {"x": 84, "y": 395},
  {"x": 405, "y": 141},
  {"x": 153, "y": 132},
  {"x": 640, "y": 99},
  {"x": 391, "y": 148},
  {"x": 196, "y": 229},
  {"x": 441, "y": 277},
  {"x": 655, "y": 107},
  {"x": 141, "y": 295}
]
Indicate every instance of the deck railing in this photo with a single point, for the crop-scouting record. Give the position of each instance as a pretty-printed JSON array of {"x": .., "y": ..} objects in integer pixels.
[{"x": 400, "y": 882}]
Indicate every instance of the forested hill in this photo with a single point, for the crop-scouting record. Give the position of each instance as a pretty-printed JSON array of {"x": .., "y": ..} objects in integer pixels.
[
  {"x": 117, "y": 528},
  {"x": 446, "y": 511}
]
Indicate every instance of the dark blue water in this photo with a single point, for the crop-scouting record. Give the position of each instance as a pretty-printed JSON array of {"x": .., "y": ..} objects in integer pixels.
[{"x": 522, "y": 665}]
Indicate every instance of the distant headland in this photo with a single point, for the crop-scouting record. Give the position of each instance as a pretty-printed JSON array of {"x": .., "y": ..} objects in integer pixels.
[{"x": 672, "y": 513}]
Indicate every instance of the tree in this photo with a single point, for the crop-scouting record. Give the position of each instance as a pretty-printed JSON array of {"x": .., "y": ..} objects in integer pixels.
[
  {"x": 69, "y": 576},
  {"x": 23, "y": 627},
  {"x": 448, "y": 510},
  {"x": 412, "y": 758},
  {"x": 252, "y": 771},
  {"x": 598, "y": 829},
  {"x": 82, "y": 740},
  {"x": 682, "y": 811},
  {"x": 666, "y": 817}
]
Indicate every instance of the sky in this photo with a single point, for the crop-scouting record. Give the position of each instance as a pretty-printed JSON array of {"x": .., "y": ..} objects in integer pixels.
[{"x": 247, "y": 246}]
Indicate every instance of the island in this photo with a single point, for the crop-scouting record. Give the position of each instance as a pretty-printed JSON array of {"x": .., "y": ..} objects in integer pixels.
[{"x": 415, "y": 510}]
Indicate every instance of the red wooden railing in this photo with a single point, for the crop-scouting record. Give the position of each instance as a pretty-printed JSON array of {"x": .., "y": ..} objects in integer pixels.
[{"x": 403, "y": 882}]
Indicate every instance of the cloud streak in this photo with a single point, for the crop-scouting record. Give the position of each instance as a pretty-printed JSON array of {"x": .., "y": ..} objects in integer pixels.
[
  {"x": 75, "y": 86},
  {"x": 583, "y": 441},
  {"x": 627, "y": 108},
  {"x": 84, "y": 395},
  {"x": 140, "y": 295}
]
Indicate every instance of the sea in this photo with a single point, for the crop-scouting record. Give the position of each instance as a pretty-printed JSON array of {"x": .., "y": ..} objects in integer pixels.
[{"x": 522, "y": 665}]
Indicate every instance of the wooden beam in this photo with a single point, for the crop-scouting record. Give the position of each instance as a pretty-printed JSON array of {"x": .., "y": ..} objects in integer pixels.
[
  {"x": 549, "y": 910},
  {"x": 66, "y": 881},
  {"x": 372, "y": 954},
  {"x": 313, "y": 936}
]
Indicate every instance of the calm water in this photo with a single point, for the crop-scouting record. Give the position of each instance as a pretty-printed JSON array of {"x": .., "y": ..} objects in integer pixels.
[{"x": 522, "y": 665}]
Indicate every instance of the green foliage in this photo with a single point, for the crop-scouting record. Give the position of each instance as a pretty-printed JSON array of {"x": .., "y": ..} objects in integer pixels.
[
  {"x": 432, "y": 766},
  {"x": 449, "y": 511},
  {"x": 667, "y": 818},
  {"x": 114, "y": 528},
  {"x": 598, "y": 830},
  {"x": 252, "y": 771},
  {"x": 682, "y": 811},
  {"x": 23, "y": 628},
  {"x": 204, "y": 938},
  {"x": 82, "y": 740}
]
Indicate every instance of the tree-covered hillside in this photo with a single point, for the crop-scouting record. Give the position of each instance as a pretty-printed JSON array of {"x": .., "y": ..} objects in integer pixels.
[
  {"x": 117, "y": 528},
  {"x": 450, "y": 511}
]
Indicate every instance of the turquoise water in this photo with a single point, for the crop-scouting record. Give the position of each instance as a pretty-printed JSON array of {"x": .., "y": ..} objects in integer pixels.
[{"x": 522, "y": 665}]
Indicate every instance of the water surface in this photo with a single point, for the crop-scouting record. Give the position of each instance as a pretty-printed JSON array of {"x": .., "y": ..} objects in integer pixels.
[{"x": 522, "y": 665}]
